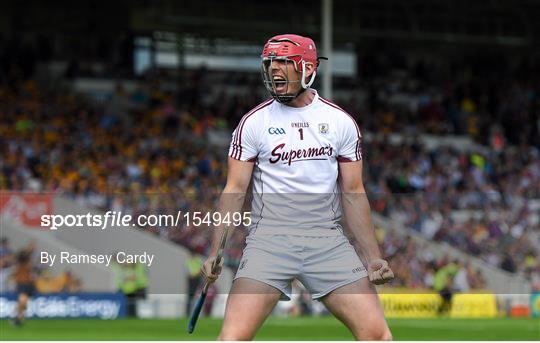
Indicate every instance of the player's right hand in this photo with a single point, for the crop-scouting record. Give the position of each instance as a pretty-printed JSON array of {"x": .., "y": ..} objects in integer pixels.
[{"x": 206, "y": 269}]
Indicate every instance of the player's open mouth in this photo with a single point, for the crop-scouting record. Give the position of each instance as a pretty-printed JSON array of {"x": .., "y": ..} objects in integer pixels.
[{"x": 280, "y": 84}]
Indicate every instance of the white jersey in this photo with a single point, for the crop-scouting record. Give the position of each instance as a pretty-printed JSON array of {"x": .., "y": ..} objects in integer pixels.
[{"x": 296, "y": 153}]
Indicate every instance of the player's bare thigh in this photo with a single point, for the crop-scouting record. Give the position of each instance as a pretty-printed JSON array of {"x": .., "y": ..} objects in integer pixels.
[
  {"x": 358, "y": 307},
  {"x": 248, "y": 305}
]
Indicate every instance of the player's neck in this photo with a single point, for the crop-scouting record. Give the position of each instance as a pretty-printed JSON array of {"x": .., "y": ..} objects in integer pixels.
[{"x": 303, "y": 99}]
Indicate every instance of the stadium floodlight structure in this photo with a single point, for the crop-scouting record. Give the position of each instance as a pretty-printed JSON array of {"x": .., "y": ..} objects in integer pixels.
[{"x": 326, "y": 13}]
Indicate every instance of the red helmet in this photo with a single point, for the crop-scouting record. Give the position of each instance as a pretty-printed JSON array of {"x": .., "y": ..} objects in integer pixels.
[
  {"x": 292, "y": 48},
  {"x": 295, "y": 47}
]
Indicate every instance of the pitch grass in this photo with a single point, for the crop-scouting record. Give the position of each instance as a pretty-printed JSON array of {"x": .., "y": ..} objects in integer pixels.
[{"x": 307, "y": 328}]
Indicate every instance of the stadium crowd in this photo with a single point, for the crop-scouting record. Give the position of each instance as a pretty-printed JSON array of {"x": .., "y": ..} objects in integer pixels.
[
  {"x": 480, "y": 203},
  {"x": 146, "y": 152}
]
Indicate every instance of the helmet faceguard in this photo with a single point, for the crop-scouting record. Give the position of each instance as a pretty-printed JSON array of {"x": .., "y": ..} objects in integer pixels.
[
  {"x": 280, "y": 86},
  {"x": 288, "y": 49}
]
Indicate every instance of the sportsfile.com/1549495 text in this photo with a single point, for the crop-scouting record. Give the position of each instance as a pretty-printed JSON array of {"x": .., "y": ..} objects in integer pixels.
[{"x": 116, "y": 219}]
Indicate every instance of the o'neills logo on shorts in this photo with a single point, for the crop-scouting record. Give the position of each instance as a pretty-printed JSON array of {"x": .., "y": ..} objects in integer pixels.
[{"x": 297, "y": 155}]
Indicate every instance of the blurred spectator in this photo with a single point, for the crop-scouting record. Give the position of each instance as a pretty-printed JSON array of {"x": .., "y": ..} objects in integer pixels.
[{"x": 132, "y": 281}]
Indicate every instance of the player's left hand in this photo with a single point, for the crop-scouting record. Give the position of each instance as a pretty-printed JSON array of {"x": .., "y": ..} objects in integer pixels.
[{"x": 379, "y": 271}]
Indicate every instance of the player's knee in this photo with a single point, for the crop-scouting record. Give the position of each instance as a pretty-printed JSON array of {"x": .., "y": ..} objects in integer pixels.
[
  {"x": 23, "y": 299},
  {"x": 234, "y": 336},
  {"x": 382, "y": 335},
  {"x": 376, "y": 335},
  {"x": 386, "y": 336}
]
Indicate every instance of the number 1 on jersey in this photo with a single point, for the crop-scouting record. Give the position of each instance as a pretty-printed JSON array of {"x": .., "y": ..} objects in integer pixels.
[{"x": 301, "y": 134}]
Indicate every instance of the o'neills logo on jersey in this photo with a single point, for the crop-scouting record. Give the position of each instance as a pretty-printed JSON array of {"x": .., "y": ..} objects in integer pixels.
[{"x": 296, "y": 155}]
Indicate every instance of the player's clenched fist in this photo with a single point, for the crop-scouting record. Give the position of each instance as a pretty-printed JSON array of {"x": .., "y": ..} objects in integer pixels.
[
  {"x": 379, "y": 272},
  {"x": 211, "y": 270}
]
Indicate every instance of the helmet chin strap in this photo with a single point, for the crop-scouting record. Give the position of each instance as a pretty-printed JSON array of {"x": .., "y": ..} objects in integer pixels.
[
  {"x": 303, "y": 81},
  {"x": 286, "y": 98}
]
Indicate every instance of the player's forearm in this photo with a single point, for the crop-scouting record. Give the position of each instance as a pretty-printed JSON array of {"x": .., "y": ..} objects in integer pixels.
[
  {"x": 231, "y": 201},
  {"x": 358, "y": 216}
]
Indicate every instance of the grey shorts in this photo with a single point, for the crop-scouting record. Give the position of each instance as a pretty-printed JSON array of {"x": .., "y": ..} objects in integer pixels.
[{"x": 321, "y": 264}]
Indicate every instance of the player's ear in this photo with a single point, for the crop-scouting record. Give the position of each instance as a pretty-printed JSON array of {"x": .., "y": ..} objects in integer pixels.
[{"x": 310, "y": 68}]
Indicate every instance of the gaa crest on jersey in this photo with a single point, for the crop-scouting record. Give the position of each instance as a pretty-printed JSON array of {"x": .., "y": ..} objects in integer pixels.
[
  {"x": 323, "y": 128},
  {"x": 276, "y": 130}
]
